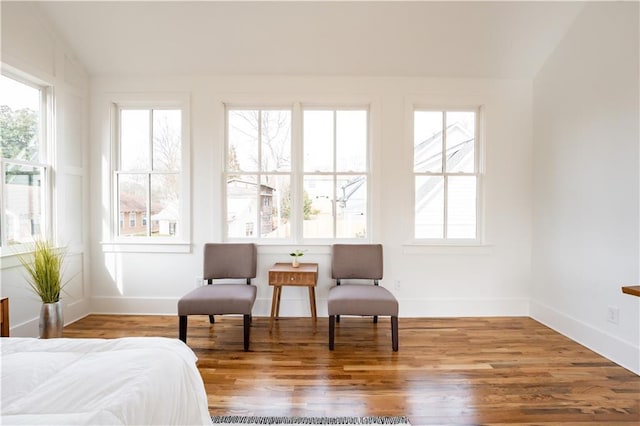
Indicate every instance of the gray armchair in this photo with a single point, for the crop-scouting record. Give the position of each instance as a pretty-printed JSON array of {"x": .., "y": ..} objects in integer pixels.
[
  {"x": 360, "y": 261},
  {"x": 223, "y": 261}
]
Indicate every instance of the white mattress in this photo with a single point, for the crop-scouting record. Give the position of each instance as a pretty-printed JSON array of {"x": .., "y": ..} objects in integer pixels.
[{"x": 132, "y": 381}]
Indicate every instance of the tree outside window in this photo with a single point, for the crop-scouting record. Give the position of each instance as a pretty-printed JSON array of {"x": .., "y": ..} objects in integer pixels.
[
  {"x": 324, "y": 197},
  {"x": 150, "y": 171},
  {"x": 24, "y": 173}
]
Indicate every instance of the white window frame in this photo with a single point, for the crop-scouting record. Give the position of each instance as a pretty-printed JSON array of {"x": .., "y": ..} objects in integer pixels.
[
  {"x": 297, "y": 173},
  {"x": 478, "y": 173},
  {"x": 275, "y": 106},
  {"x": 335, "y": 173},
  {"x": 45, "y": 162},
  {"x": 171, "y": 244}
]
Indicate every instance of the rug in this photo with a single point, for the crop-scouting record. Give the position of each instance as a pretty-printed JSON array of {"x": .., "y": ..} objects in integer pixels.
[{"x": 291, "y": 421}]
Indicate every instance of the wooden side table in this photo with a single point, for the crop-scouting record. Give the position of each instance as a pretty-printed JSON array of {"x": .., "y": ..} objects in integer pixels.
[{"x": 283, "y": 274}]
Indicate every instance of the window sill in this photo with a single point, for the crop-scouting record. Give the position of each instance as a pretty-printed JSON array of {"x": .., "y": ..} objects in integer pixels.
[
  {"x": 146, "y": 247},
  {"x": 449, "y": 247}
]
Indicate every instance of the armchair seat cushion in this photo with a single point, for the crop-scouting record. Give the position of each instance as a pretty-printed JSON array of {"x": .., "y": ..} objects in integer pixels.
[
  {"x": 218, "y": 299},
  {"x": 366, "y": 300}
]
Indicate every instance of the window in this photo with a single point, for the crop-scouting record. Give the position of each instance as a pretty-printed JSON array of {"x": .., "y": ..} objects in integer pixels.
[
  {"x": 445, "y": 164},
  {"x": 335, "y": 173},
  {"x": 271, "y": 197},
  {"x": 258, "y": 173},
  {"x": 149, "y": 174},
  {"x": 25, "y": 191}
]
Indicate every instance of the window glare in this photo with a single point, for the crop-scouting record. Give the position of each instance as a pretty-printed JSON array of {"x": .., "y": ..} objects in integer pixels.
[
  {"x": 134, "y": 142},
  {"x": 351, "y": 141},
  {"x": 427, "y": 141},
  {"x": 318, "y": 141}
]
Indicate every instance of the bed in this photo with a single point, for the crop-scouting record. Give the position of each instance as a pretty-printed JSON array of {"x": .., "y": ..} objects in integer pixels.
[{"x": 132, "y": 381}]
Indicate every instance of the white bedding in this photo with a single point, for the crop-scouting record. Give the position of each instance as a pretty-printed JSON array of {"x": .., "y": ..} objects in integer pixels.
[{"x": 131, "y": 381}]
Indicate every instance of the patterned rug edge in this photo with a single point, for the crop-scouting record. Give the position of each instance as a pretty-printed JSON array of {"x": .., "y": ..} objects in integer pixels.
[{"x": 257, "y": 420}]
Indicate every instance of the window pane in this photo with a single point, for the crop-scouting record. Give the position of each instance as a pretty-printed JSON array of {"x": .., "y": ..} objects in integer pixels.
[
  {"x": 351, "y": 141},
  {"x": 461, "y": 141},
  {"x": 243, "y": 140},
  {"x": 427, "y": 141},
  {"x": 165, "y": 204},
  {"x": 242, "y": 191},
  {"x": 461, "y": 208},
  {"x": 318, "y": 207},
  {"x": 429, "y": 195},
  {"x": 275, "y": 210},
  {"x": 20, "y": 112},
  {"x": 351, "y": 207},
  {"x": 276, "y": 140},
  {"x": 132, "y": 193},
  {"x": 167, "y": 137},
  {"x": 134, "y": 140},
  {"x": 318, "y": 141},
  {"x": 24, "y": 194}
]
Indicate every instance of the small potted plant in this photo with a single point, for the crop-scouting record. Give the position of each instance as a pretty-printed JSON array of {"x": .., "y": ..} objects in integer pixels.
[
  {"x": 43, "y": 268},
  {"x": 296, "y": 254}
]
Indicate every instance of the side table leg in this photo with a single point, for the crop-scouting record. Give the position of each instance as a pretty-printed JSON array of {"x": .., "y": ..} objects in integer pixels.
[
  {"x": 274, "y": 297},
  {"x": 312, "y": 302}
]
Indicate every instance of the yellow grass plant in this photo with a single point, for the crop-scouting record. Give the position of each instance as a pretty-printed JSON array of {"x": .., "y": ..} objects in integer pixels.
[{"x": 43, "y": 268}]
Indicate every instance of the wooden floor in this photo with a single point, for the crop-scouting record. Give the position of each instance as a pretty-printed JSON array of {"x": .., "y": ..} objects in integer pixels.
[{"x": 448, "y": 371}]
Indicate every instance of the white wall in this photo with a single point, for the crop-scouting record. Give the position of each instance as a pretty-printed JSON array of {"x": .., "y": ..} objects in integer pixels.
[
  {"x": 586, "y": 188},
  {"x": 31, "y": 46},
  {"x": 446, "y": 281}
]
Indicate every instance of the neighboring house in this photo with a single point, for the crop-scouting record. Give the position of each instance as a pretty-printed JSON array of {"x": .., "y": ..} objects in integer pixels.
[
  {"x": 460, "y": 156},
  {"x": 241, "y": 214},
  {"x": 165, "y": 222},
  {"x": 133, "y": 217}
]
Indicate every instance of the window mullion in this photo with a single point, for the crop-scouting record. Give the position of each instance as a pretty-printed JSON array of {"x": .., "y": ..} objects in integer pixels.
[
  {"x": 445, "y": 180},
  {"x": 297, "y": 175},
  {"x": 151, "y": 136},
  {"x": 258, "y": 227},
  {"x": 148, "y": 210},
  {"x": 335, "y": 173}
]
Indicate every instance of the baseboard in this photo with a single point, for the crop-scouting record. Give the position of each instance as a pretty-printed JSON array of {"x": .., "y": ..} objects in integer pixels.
[
  {"x": 611, "y": 347},
  {"x": 296, "y": 307}
]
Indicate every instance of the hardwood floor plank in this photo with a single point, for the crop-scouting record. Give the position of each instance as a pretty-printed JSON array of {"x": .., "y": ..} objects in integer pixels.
[{"x": 448, "y": 370}]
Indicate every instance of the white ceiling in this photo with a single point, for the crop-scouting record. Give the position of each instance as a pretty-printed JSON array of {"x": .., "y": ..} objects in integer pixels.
[{"x": 436, "y": 39}]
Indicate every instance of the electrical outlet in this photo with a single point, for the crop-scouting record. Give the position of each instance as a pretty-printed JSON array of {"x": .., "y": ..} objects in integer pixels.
[
  {"x": 396, "y": 285},
  {"x": 199, "y": 281},
  {"x": 613, "y": 314}
]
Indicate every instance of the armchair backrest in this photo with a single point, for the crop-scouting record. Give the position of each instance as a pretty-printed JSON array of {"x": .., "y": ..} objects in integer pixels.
[
  {"x": 230, "y": 260},
  {"x": 356, "y": 261}
]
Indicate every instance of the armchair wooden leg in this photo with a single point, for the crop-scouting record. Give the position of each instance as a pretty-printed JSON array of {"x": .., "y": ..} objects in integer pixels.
[
  {"x": 332, "y": 328},
  {"x": 375, "y": 319},
  {"x": 337, "y": 318},
  {"x": 182, "y": 328},
  {"x": 394, "y": 333},
  {"x": 211, "y": 319},
  {"x": 247, "y": 331}
]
